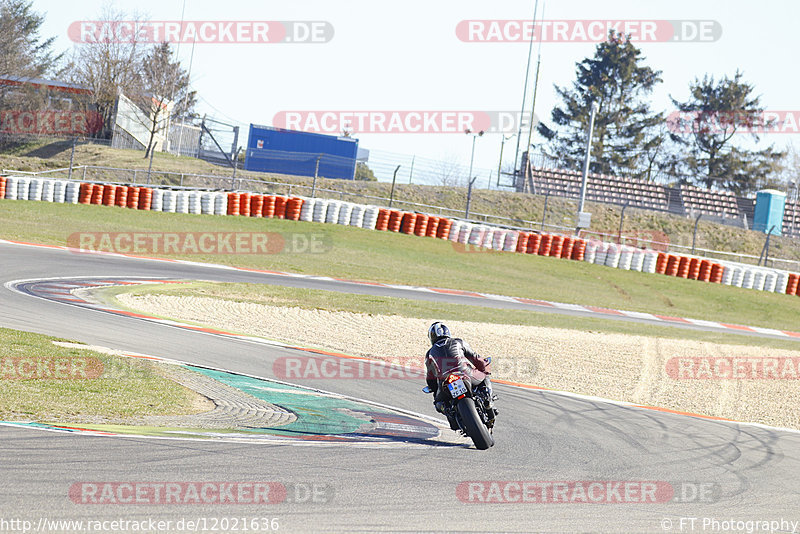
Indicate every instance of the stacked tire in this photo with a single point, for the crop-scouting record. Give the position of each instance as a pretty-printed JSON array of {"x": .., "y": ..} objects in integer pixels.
[
  {"x": 293, "y": 208},
  {"x": 410, "y": 223}
]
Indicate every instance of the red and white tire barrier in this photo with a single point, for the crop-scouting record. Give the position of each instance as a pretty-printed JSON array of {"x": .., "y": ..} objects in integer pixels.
[{"x": 340, "y": 212}]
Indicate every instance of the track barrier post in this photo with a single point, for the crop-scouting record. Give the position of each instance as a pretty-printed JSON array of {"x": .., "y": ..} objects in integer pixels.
[
  {"x": 621, "y": 222},
  {"x": 694, "y": 234},
  {"x": 316, "y": 175},
  {"x": 394, "y": 180}
]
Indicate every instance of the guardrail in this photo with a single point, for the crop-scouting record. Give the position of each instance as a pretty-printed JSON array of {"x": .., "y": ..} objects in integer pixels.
[
  {"x": 143, "y": 177},
  {"x": 179, "y": 180}
]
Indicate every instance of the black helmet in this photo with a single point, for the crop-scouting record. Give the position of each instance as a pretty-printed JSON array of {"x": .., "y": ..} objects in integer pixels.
[{"x": 437, "y": 331}]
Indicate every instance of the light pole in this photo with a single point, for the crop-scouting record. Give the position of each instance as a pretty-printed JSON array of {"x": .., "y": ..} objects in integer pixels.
[
  {"x": 500, "y": 163},
  {"x": 472, "y": 156},
  {"x": 470, "y": 179}
]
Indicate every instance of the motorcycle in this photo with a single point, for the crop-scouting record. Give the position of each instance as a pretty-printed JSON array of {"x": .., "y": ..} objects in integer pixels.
[{"x": 470, "y": 407}]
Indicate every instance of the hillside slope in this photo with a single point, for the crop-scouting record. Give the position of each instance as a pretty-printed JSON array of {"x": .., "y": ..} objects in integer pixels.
[{"x": 518, "y": 207}]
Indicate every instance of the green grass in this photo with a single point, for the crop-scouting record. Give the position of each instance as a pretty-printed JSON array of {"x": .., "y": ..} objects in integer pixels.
[
  {"x": 38, "y": 155},
  {"x": 126, "y": 387},
  {"x": 43, "y": 155},
  {"x": 397, "y": 258},
  {"x": 312, "y": 299}
]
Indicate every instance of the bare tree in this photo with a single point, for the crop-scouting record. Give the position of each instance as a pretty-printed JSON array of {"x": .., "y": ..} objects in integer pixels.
[
  {"x": 449, "y": 172},
  {"x": 165, "y": 88},
  {"x": 110, "y": 65},
  {"x": 791, "y": 165}
]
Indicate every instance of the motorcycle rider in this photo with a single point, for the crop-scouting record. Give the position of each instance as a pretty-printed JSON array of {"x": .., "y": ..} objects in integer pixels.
[{"x": 447, "y": 354}]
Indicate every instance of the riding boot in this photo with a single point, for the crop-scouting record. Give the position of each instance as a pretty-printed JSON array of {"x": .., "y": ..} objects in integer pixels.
[
  {"x": 492, "y": 397},
  {"x": 452, "y": 421}
]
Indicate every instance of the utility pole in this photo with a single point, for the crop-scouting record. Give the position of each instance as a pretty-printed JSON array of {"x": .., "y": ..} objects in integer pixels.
[
  {"x": 535, "y": 85},
  {"x": 525, "y": 90}
]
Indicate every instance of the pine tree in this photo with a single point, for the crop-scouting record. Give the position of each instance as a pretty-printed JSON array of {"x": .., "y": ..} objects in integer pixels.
[
  {"x": 704, "y": 128},
  {"x": 625, "y": 134},
  {"x": 23, "y": 53}
]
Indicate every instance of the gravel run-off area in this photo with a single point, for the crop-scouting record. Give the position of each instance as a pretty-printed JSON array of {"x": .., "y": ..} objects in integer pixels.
[{"x": 668, "y": 373}]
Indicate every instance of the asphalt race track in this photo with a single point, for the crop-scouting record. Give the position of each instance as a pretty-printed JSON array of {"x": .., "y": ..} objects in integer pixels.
[{"x": 751, "y": 473}]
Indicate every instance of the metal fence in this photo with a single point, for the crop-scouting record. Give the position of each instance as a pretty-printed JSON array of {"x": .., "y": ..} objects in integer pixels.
[
  {"x": 547, "y": 223},
  {"x": 412, "y": 170},
  {"x": 451, "y": 172},
  {"x": 184, "y": 139}
]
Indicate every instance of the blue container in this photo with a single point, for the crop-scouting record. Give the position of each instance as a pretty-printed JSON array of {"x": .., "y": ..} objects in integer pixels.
[
  {"x": 292, "y": 152},
  {"x": 769, "y": 211}
]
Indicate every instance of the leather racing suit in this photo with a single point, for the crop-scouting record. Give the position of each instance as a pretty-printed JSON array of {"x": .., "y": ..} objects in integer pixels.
[{"x": 453, "y": 354}]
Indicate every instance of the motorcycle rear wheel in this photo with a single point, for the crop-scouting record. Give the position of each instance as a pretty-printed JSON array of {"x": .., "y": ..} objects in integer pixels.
[{"x": 473, "y": 425}]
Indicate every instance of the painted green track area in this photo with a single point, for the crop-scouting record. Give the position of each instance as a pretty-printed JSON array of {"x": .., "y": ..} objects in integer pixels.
[{"x": 319, "y": 417}]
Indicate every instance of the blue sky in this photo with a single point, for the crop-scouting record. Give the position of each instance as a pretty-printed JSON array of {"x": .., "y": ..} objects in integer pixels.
[{"x": 406, "y": 56}]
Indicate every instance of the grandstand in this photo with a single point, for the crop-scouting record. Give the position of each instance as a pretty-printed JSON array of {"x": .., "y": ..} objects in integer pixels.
[
  {"x": 600, "y": 188},
  {"x": 686, "y": 200},
  {"x": 719, "y": 203},
  {"x": 791, "y": 219}
]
